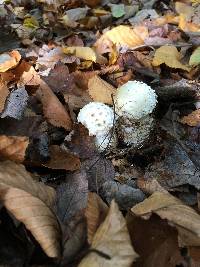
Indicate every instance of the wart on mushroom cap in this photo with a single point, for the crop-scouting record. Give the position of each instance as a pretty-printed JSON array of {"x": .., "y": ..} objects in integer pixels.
[
  {"x": 97, "y": 117},
  {"x": 135, "y": 100}
]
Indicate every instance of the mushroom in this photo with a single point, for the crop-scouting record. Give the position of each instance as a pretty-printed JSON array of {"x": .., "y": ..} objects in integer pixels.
[
  {"x": 98, "y": 118},
  {"x": 134, "y": 102}
]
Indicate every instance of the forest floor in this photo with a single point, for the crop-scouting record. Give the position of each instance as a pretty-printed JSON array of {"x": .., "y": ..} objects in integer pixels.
[{"x": 66, "y": 200}]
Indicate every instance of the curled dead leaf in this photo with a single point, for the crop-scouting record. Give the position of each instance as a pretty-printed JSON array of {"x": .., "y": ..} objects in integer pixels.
[
  {"x": 95, "y": 213},
  {"x": 111, "y": 239},
  {"x": 54, "y": 111},
  {"x": 85, "y": 53},
  {"x": 170, "y": 56},
  {"x": 184, "y": 218},
  {"x": 100, "y": 90},
  {"x": 13, "y": 147},
  {"x": 30, "y": 202},
  {"x": 9, "y": 60}
]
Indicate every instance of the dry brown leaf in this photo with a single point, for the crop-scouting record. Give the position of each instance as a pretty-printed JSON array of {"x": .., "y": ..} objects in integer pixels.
[
  {"x": 123, "y": 36},
  {"x": 185, "y": 9},
  {"x": 62, "y": 160},
  {"x": 54, "y": 111},
  {"x": 30, "y": 202},
  {"x": 4, "y": 92},
  {"x": 29, "y": 78},
  {"x": 85, "y": 53},
  {"x": 112, "y": 239},
  {"x": 9, "y": 60},
  {"x": 95, "y": 213},
  {"x": 170, "y": 56},
  {"x": 13, "y": 147},
  {"x": 184, "y": 218},
  {"x": 100, "y": 90},
  {"x": 193, "y": 119}
]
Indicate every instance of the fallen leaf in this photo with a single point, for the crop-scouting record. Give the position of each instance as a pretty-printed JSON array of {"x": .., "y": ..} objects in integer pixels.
[
  {"x": 121, "y": 36},
  {"x": 193, "y": 119},
  {"x": 9, "y": 60},
  {"x": 54, "y": 111},
  {"x": 117, "y": 10},
  {"x": 171, "y": 208},
  {"x": 92, "y": 3},
  {"x": 62, "y": 160},
  {"x": 4, "y": 92},
  {"x": 13, "y": 147},
  {"x": 95, "y": 213},
  {"x": 185, "y": 9},
  {"x": 175, "y": 169},
  {"x": 31, "y": 203},
  {"x": 111, "y": 239},
  {"x": 155, "y": 241},
  {"x": 170, "y": 56},
  {"x": 31, "y": 22},
  {"x": 16, "y": 104},
  {"x": 100, "y": 90},
  {"x": 195, "y": 57},
  {"x": 59, "y": 79},
  {"x": 29, "y": 78},
  {"x": 85, "y": 53},
  {"x": 70, "y": 208}
]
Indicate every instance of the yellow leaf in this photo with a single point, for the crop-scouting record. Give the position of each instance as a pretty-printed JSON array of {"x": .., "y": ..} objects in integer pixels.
[
  {"x": 30, "y": 202},
  {"x": 31, "y": 23},
  {"x": 170, "y": 56},
  {"x": 123, "y": 36},
  {"x": 184, "y": 218},
  {"x": 100, "y": 90},
  {"x": 9, "y": 60},
  {"x": 85, "y": 53},
  {"x": 111, "y": 239},
  {"x": 95, "y": 213},
  {"x": 186, "y": 10}
]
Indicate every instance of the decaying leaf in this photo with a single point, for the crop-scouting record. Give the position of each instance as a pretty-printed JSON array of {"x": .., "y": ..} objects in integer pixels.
[
  {"x": 170, "y": 56},
  {"x": 193, "y": 119},
  {"x": 13, "y": 147},
  {"x": 95, "y": 213},
  {"x": 4, "y": 92},
  {"x": 16, "y": 104},
  {"x": 171, "y": 208},
  {"x": 54, "y": 111},
  {"x": 112, "y": 239},
  {"x": 62, "y": 160},
  {"x": 195, "y": 57},
  {"x": 9, "y": 60},
  {"x": 86, "y": 53},
  {"x": 100, "y": 90},
  {"x": 30, "y": 202}
]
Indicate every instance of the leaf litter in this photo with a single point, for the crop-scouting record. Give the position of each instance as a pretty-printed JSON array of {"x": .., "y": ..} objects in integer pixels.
[{"x": 64, "y": 202}]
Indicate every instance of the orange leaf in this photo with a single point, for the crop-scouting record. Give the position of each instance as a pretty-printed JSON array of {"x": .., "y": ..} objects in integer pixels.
[
  {"x": 100, "y": 90},
  {"x": 53, "y": 110},
  {"x": 9, "y": 60},
  {"x": 3, "y": 93},
  {"x": 193, "y": 119},
  {"x": 13, "y": 147}
]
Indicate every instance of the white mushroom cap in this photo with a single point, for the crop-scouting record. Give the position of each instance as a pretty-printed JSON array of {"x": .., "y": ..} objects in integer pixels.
[
  {"x": 135, "y": 100},
  {"x": 97, "y": 117},
  {"x": 136, "y": 133}
]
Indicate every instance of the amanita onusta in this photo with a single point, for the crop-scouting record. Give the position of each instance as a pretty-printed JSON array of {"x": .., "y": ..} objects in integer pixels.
[
  {"x": 134, "y": 102},
  {"x": 98, "y": 118}
]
